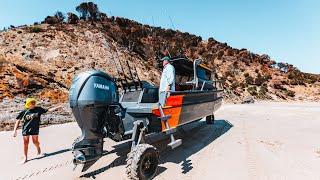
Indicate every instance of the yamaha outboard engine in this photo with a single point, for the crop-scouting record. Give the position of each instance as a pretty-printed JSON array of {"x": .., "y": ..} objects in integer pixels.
[{"x": 94, "y": 102}]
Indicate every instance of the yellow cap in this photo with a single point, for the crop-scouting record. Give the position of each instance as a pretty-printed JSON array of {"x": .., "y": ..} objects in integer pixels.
[{"x": 28, "y": 101}]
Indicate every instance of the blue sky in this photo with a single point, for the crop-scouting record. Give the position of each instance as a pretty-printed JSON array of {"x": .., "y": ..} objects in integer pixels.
[{"x": 288, "y": 31}]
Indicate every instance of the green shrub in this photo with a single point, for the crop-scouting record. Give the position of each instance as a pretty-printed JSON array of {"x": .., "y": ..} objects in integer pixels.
[
  {"x": 298, "y": 78},
  {"x": 279, "y": 86},
  {"x": 242, "y": 85},
  {"x": 311, "y": 78},
  {"x": 252, "y": 90},
  {"x": 249, "y": 79},
  {"x": 267, "y": 77},
  {"x": 234, "y": 85},
  {"x": 259, "y": 80},
  {"x": 35, "y": 29},
  {"x": 228, "y": 74},
  {"x": 263, "y": 90},
  {"x": 290, "y": 93}
]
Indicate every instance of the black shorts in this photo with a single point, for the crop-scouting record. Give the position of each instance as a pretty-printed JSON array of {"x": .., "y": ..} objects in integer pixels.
[{"x": 30, "y": 132}]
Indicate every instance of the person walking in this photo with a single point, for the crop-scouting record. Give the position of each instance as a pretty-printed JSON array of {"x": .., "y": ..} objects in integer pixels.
[{"x": 30, "y": 118}]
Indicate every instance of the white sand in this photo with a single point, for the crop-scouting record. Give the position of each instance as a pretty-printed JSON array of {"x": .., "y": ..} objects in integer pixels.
[{"x": 267, "y": 141}]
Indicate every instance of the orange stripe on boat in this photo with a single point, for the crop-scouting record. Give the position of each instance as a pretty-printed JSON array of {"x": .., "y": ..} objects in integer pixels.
[{"x": 173, "y": 107}]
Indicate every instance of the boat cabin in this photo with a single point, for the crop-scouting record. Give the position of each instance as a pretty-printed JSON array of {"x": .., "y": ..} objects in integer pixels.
[{"x": 192, "y": 75}]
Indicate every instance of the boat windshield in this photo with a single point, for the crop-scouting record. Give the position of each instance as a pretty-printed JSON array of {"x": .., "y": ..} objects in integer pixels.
[{"x": 203, "y": 74}]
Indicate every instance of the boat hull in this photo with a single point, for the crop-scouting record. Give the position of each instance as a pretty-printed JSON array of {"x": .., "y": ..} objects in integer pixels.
[{"x": 185, "y": 107}]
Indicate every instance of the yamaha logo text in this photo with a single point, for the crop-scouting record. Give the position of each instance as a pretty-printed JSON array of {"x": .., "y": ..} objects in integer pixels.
[{"x": 100, "y": 86}]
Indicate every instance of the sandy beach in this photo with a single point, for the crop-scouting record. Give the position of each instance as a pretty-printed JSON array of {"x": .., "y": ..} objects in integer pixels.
[{"x": 250, "y": 141}]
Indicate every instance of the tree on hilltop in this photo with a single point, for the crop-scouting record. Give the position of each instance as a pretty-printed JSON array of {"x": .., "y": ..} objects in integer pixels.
[
  {"x": 60, "y": 16},
  {"x": 57, "y": 18},
  {"x": 88, "y": 11},
  {"x": 72, "y": 18}
]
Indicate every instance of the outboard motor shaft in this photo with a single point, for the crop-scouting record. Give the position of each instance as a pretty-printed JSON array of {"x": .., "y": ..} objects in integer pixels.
[{"x": 93, "y": 96}]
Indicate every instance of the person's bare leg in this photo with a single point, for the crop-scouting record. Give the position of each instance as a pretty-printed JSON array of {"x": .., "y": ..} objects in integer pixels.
[
  {"x": 25, "y": 149},
  {"x": 35, "y": 140}
]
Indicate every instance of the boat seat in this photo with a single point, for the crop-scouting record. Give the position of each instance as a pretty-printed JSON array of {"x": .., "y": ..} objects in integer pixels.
[
  {"x": 150, "y": 95},
  {"x": 183, "y": 87}
]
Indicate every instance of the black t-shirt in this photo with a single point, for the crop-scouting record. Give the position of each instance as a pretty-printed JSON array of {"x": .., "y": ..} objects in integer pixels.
[{"x": 31, "y": 120}]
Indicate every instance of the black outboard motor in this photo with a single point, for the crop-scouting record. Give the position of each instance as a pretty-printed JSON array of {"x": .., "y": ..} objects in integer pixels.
[{"x": 94, "y": 100}]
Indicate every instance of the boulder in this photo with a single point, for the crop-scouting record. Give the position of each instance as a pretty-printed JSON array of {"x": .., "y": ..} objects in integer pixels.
[{"x": 248, "y": 100}]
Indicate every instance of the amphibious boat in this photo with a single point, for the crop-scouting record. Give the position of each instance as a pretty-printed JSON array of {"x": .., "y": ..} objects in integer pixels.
[{"x": 105, "y": 109}]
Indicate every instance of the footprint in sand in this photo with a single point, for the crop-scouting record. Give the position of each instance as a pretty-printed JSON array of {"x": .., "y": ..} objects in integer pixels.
[{"x": 271, "y": 145}]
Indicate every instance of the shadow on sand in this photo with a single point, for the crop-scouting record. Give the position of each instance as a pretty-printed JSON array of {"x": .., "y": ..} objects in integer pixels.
[
  {"x": 193, "y": 142},
  {"x": 50, "y": 154},
  {"x": 194, "y": 136}
]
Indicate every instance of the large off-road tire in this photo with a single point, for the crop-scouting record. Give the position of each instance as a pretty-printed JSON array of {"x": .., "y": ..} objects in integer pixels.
[
  {"x": 142, "y": 162},
  {"x": 210, "y": 119}
]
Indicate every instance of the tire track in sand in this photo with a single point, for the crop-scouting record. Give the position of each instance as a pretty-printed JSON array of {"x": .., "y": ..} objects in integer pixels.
[{"x": 253, "y": 170}]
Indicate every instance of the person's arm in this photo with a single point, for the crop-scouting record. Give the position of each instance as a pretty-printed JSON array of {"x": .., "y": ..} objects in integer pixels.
[
  {"x": 18, "y": 119},
  {"x": 16, "y": 127},
  {"x": 170, "y": 75},
  {"x": 54, "y": 108}
]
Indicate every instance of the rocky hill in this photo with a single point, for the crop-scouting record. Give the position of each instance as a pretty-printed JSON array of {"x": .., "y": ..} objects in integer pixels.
[{"x": 41, "y": 60}]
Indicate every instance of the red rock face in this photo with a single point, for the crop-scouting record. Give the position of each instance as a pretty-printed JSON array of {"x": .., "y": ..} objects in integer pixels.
[
  {"x": 42, "y": 60},
  {"x": 18, "y": 79}
]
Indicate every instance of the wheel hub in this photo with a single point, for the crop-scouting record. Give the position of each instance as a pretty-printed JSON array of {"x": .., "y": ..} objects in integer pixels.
[{"x": 147, "y": 164}]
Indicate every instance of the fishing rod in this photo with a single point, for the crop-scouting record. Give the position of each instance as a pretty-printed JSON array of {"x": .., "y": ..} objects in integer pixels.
[
  {"x": 172, "y": 25},
  {"x": 174, "y": 28},
  {"x": 118, "y": 73},
  {"x": 167, "y": 50},
  {"x": 134, "y": 83},
  {"x": 124, "y": 74},
  {"x": 154, "y": 47},
  {"x": 116, "y": 66},
  {"x": 131, "y": 74},
  {"x": 140, "y": 84},
  {"x": 152, "y": 21}
]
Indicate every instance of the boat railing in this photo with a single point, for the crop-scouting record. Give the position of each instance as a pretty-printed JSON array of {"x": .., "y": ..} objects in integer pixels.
[
  {"x": 196, "y": 62},
  {"x": 200, "y": 84}
]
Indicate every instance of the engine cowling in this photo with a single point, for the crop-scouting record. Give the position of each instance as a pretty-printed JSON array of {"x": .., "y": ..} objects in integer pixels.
[{"x": 93, "y": 98}]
